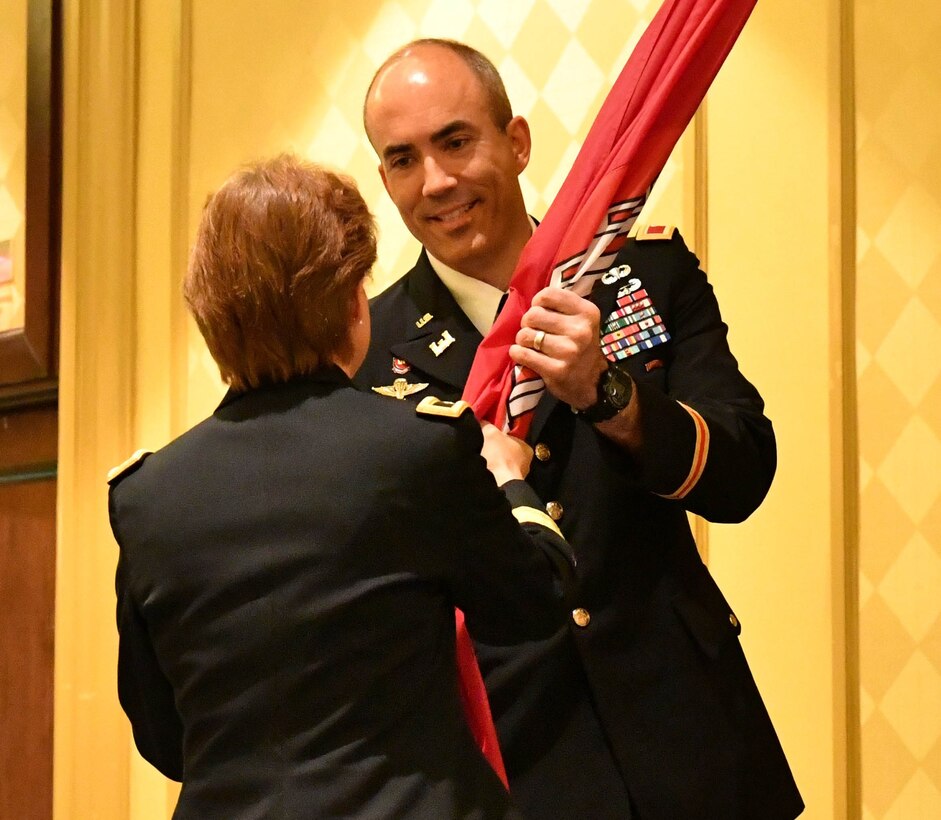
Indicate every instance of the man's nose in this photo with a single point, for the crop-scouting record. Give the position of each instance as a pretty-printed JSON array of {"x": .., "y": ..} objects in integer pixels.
[{"x": 437, "y": 179}]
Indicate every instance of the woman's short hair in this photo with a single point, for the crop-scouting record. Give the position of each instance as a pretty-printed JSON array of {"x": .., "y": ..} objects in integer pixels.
[{"x": 280, "y": 251}]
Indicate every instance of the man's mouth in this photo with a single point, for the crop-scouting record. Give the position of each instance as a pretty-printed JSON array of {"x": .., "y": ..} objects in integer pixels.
[{"x": 452, "y": 215}]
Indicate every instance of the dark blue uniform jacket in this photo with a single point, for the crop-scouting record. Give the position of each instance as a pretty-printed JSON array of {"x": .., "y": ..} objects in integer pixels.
[
  {"x": 650, "y": 703},
  {"x": 286, "y": 587}
]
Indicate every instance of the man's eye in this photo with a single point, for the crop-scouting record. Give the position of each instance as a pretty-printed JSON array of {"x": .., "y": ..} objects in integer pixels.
[{"x": 399, "y": 163}]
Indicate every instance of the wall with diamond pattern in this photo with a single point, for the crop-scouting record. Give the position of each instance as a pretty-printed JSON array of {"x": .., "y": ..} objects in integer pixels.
[
  {"x": 773, "y": 206},
  {"x": 898, "y": 338}
]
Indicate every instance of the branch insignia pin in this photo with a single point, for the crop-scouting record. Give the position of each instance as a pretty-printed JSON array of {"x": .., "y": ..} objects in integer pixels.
[{"x": 442, "y": 344}]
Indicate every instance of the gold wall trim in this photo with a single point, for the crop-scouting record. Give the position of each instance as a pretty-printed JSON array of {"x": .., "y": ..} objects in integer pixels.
[
  {"x": 160, "y": 369},
  {"x": 124, "y": 360},
  {"x": 845, "y": 430},
  {"x": 91, "y": 738},
  {"x": 163, "y": 216}
]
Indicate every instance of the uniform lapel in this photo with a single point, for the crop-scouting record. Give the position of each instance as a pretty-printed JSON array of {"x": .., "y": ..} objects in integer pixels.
[
  {"x": 429, "y": 296},
  {"x": 541, "y": 414},
  {"x": 444, "y": 345}
]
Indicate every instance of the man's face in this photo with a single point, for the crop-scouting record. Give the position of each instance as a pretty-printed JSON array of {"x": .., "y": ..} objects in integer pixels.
[{"x": 451, "y": 172}]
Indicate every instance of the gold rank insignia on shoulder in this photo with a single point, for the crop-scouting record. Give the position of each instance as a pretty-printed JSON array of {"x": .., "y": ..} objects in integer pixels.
[
  {"x": 648, "y": 232},
  {"x": 126, "y": 466},
  {"x": 432, "y": 406},
  {"x": 400, "y": 388}
]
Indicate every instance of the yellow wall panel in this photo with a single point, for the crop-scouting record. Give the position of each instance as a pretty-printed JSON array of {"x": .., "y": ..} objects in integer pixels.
[
  {"x": 898, "y": 336},
  {"x": 773, "y": 153}
]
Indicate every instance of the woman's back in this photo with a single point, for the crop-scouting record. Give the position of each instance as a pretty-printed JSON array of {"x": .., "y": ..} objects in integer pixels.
[{"x": 287, "y": 580}]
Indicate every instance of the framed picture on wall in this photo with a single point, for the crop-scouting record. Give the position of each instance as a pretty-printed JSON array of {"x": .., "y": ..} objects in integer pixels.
[{"x": 30, "y": 200}]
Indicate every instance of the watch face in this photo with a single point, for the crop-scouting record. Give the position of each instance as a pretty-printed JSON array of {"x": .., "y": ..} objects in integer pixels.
[
  {"x": 617, "y": 389},
  {"x": 614, "y": 394}
]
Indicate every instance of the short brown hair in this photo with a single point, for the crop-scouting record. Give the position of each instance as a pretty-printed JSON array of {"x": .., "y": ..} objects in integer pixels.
[
  {"x": 279, "y": 253},
  {"x": 501, "y": 112}
]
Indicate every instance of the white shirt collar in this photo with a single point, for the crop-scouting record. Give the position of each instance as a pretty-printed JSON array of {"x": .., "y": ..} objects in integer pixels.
[{"x": 477, "y": 299}]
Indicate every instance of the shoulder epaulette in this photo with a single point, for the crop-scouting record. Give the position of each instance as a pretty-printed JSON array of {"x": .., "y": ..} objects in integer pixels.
[
  {"x": 530, "y": 515},
  {"x": 127, "y": 466},
  {"x": 649, "y": 232},
  {"x": 431, "y": 406}
]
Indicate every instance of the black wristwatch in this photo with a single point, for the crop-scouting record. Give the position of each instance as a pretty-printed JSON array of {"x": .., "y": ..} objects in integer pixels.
[{"x": 615, "y": 389}]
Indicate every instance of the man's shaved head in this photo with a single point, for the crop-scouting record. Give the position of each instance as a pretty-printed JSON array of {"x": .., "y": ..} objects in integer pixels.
[{"x": 483, "y": 69}]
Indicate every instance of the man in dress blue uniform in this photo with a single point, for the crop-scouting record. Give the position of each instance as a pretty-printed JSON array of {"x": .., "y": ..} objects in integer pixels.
[{"x": 643, "y": 706}]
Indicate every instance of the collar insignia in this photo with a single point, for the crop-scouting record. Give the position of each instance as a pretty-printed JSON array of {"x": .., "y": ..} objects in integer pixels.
[
  {"x": 442, "y": 344},
  {"x": 424, "y": 320}
]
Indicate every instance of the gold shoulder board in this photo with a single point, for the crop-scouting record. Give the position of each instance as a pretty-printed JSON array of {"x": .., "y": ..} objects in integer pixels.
[
  {"x": 648, "y": 232},
  {"x": 431, "y": 406},
  {"x": 530, "y": 515},
  {"x": 125, "y": 466}
]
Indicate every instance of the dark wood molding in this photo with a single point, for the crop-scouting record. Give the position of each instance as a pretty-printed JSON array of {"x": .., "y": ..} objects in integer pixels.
[
  {"x": 29, "y": 355},
  {"x": 27, "y": 646},
  {"x": 36, "y": 393},
  {"x": 28, "y": 437}
]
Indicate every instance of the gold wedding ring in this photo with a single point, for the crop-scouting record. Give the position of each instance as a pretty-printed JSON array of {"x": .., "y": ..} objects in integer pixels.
[{"x": 538, "y": 340}]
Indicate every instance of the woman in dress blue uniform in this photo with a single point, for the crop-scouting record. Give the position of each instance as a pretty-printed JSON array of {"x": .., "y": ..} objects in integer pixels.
[{"x": 289, "y": 567}]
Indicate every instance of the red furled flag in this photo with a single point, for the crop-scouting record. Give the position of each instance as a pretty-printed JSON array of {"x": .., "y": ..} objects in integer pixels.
[
  {"x": 474, "y": 700},
  {"x": 651, "y": 103}
]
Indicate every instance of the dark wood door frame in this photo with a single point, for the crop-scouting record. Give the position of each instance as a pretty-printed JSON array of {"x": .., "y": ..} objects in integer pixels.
[{"x": 29, "y": 355}]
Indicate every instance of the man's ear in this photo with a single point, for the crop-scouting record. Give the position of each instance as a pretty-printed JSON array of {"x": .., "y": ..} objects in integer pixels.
[
  {"x": 518, "y": 131},
  {"x": 382, "y": 176}
]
